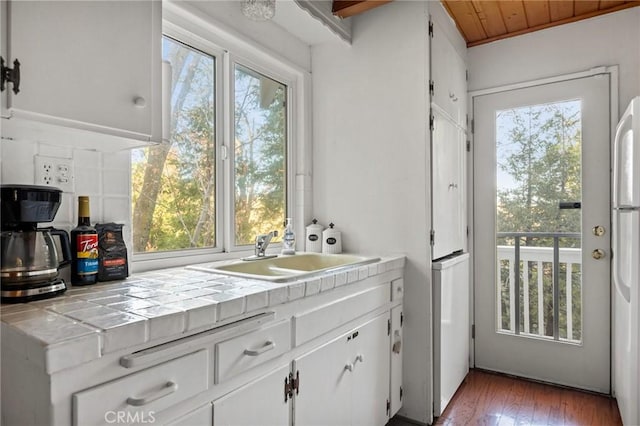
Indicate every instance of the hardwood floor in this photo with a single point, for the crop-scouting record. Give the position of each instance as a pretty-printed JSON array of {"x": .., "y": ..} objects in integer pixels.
[{"x": 492, "y": 399}]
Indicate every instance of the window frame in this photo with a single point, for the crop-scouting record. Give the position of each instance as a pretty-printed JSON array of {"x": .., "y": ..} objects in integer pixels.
[
  {"x": 225, "y": 62},
  {"x": 229, "y": 205}
]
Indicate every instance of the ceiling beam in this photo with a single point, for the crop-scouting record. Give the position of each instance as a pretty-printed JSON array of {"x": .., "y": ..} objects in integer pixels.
[{"x": 345, "y": 9}]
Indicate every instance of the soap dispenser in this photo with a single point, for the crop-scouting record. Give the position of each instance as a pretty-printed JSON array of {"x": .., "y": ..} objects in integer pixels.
[
  {"x": 331, "y": 240},
  {"x": 289, "y": 239},
  {"x": 313, "y": 241}
]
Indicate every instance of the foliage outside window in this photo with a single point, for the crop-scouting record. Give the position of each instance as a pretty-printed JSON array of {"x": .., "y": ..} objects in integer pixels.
[
  {"x": 538, "y": 156},
  {"x": 260, "y": 154},
  {"x": 177, "y": 186}
]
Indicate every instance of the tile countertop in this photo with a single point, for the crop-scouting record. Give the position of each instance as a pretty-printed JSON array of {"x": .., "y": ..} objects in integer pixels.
[{"x": 87, "y": 322}]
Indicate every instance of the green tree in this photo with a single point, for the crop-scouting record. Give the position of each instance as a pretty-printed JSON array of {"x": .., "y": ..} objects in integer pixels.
[
  {"x": 539, "y": 153},
  {"x": 174, "y": 184}
]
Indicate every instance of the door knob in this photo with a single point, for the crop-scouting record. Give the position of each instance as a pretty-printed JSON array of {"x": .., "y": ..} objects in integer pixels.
[
  {"x": 598, "y": 254},
  {"x": 598, "y": 231}
]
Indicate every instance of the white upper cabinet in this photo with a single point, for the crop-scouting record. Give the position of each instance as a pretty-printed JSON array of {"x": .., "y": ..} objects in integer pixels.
[
  {"x": 448, "y": 87},
  {"x": 448, "y": 186},
  {"x": 448, "y": 77},
  {"x": 89, "y": 65}
]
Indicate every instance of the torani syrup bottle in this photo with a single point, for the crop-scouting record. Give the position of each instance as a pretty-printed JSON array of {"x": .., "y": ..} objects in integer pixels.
[{"x": 84, "y": 247}]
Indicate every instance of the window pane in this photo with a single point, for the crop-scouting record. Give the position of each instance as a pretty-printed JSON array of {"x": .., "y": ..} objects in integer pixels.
[
  {"x": 539, "y": 168},
  {"x": 174, "y": 184},
  {"x": 260, "y": 155}
]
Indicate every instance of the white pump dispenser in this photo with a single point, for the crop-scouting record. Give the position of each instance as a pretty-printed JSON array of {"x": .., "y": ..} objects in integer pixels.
[{"x": 289, "y": 239}]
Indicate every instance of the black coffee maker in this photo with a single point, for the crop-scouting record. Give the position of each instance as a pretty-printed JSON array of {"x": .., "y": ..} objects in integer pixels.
[{"x": 29, "y": 256}]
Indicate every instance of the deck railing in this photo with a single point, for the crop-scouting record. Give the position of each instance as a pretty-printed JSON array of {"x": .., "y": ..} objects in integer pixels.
[{"x": 518, "y": 265}]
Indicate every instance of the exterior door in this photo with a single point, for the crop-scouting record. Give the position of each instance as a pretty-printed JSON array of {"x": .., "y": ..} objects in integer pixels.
[{"x": 542, "y": 233}]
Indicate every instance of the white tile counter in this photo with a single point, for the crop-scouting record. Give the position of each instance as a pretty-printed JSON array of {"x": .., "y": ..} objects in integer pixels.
[{"x": 88, "y": 322}]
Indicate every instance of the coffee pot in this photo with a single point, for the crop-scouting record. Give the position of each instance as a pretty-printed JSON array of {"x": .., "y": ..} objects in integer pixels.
[
  {"x": 32, "y": 256},
  {"x": 30, "y": 259}
]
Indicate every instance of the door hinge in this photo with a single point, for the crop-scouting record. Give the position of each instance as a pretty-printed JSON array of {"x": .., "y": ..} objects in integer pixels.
[
  {"x": 401, "y": 391},
  {"x": 388, "y": 407},
  {"x": 430, "y": 29},
  {"x": 467, "y": 231},
  {"x": 466, "y": 75},
  {"x": 10, "y": 75},
  {"x": 473, "y": 126},
  {"x": 431, "y": 87},
  {"x": 401, "y": 318},
  {"x": 468, "y": 146},
  {"x": 431, "y": 122},
  {"x": 473, "y": 331},
  {"x": 432, "y": 237},
  {"x": 388, "y": 327},
  {"x": 291, "y": 384}
]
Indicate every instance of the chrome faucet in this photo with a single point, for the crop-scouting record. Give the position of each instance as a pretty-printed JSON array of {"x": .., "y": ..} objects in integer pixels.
[{"x": 262, "y": 242}]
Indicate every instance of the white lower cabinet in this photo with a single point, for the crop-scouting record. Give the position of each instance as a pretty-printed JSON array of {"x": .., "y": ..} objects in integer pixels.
[
  {"x": 139, "y": 397},
  {"x": 324, "y": 390},
  {"x": 334, "y": 359},
  {"x": 346, "y": 381},
  {"x": 395, "y": 391},
  {"x": 202, "y": 416},
  {"x": 261, "y": 402}
]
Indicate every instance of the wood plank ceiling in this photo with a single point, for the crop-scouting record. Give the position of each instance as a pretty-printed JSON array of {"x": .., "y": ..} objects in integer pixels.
[{"x": 484, "y": 21}]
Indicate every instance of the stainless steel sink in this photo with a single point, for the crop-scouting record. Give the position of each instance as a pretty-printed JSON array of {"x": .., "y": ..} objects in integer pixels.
[{"x": 287, "y": 268}]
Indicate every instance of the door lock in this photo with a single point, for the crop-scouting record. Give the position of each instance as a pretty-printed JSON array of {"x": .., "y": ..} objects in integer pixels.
[
  {"x": 598, "y": 230},
  {"x": 598, "y": 254}
]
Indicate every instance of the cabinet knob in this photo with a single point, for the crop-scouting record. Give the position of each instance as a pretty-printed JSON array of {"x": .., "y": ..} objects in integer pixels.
[
  {"x": 348, "y": 367},
  {"x": 358, "y": 358},
  {"x": 139, "y": 101}
]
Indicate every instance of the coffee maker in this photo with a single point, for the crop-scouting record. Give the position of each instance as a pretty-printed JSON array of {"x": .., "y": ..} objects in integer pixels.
[{"x": 29, "y": 256}]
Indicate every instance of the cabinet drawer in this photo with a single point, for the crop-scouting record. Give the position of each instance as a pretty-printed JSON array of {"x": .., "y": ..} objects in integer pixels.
[
  {"x": 397, "y": 290},
  {"x": 137, "y": 397},
  {"x": 312, "y": 324},
  {"x": 241, "y": 353}
]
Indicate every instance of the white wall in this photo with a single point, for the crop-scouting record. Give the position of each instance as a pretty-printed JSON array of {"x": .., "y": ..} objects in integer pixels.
[
  {"x": 370, "y": 162},
  {"x": 604, "y": 40}
]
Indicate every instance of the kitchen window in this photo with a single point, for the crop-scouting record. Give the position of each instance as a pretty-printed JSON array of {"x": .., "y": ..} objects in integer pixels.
[{"x": 222, "y": 177}]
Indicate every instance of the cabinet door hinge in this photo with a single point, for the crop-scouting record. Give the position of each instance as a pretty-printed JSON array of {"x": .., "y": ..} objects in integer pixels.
[
  {"x": 388, "y": 407},
  {"x": 401, "y": 391},
  {"x": 431, "y": 122},
  {"x": 430, "y": 29},
  {"x": 388, "y": 327},
  {"x": 473, "y": 331},
  {"x": 431, "y": 87},
  {"x": 10, "y": 75},
  {"x": 291, "y": 384},
  {"x": 401, "y": 318},
  {"x": 432, "y": 237}
]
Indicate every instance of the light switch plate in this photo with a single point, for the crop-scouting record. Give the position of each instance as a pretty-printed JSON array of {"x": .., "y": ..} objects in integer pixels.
[{"x": 55, "y": 172}]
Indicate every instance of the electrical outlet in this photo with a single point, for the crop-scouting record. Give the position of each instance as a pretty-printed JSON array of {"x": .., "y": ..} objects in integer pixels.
[{"x": 55, "y": 172}]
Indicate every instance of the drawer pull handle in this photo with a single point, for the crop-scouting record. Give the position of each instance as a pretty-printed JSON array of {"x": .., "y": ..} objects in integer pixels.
[
  {"x": 167, "y": 389},
  {"x": 269, "y": 345}
]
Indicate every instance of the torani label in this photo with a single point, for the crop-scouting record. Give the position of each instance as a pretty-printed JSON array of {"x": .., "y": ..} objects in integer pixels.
[{"x": 87, "y": 254}]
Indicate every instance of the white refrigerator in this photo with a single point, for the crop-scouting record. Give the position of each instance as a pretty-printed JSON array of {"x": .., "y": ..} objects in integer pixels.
[{"x": 626, "y": 263}]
